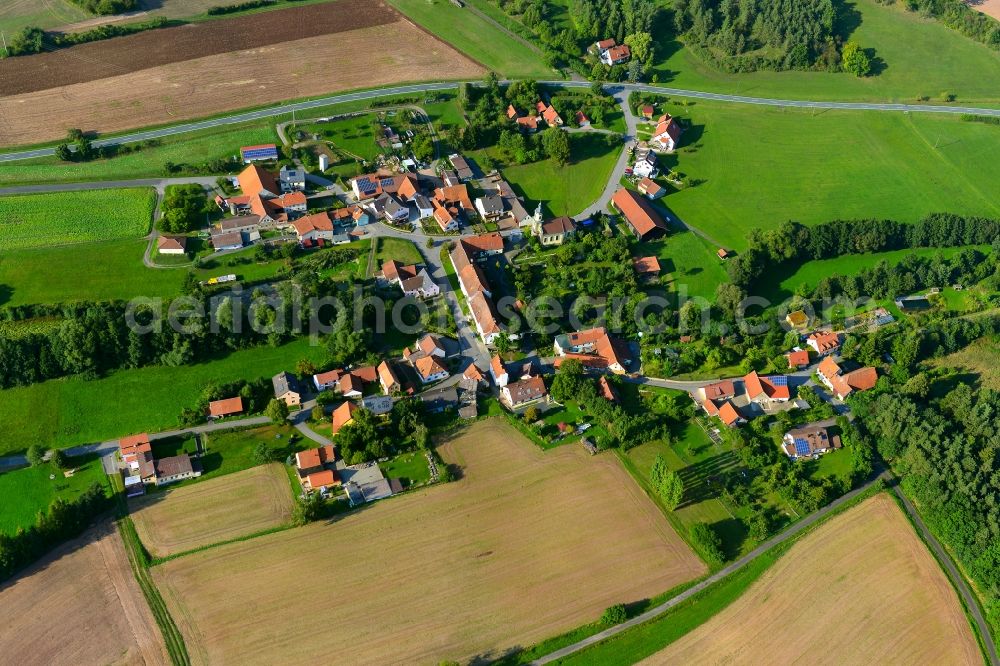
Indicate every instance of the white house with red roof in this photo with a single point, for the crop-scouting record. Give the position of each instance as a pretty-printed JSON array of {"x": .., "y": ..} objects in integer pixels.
[
  {"x": 667, "y": 133},
  {"x": 612, "y": 53}
]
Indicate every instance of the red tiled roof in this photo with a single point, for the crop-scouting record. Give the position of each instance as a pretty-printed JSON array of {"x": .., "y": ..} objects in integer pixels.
[
  {"x": 226, "y": 406},
  {"x": 512, "y": 112},
  {"x": 454, "y": 195},
  {"x": 491, "y": 242},
  {"x": 531, "y": 122},
  {"x": 387, "y": 376},
  {"x": 620, "y": 51},
  {"x": 483, "y": 312},
  {"x": 171, "y": 242},
  {"x": 606, "y": 44},
  {"x": 473, "y": 372},
  {"x": 314, "y": 222},
  {"x": 343, "y": 415},
  {"x": 558, "y": 225},
  {"x": 757, "y": 386},
  {"x": 428, "y": 366},
  {"x": 329, "y": 377},
  {"x": 322, "y": 479},
  {"x": 798, "y": 358},
  {"x": 606, "y": 390},
  {"x": 638, "y": 212},
  {"x": 649, "y": 186},
  {"x": 582, "y": 118},
  {"x": 496, "y": 364},
  {"x": 710, "y": 407},
  {"x": 646, "y": 265},
  {"x": 825, "y": 340},
  {"x": 828, "y": 368},
  {"x": 254, "y": 180},
  {"x": 728, "y": 413},
  {"x": 723, "y": 389},
  {"x": 366, "y": 373},
  {"x": 550, "y": 115}
]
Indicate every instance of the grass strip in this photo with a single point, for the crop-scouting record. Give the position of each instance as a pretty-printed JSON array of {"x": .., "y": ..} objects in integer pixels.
[{"x": 139, "y": 559}]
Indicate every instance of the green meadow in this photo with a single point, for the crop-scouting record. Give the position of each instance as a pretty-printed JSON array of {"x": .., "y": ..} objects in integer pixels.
[
  {"x": 65, "y": 412},
  {"x": 761, "y": 166},
  {"x": 28, "y": 490}
]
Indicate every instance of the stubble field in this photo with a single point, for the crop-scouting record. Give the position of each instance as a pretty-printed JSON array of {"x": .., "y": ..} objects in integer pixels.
[
  {"x": 861, "y": 589},
  {"x": 199, "y": 70},
  {"x": 514, "y": 552},
  {"x": 213, "y": 511},
  {"x": 80, "y": 605}
]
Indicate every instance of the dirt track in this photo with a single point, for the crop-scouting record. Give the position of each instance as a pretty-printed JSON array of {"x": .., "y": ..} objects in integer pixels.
[
  {"x": 526, "y": 545},
  {"x": 80, "y": 605},
  {"x": 214, "y": 510},
  {"x": 861, "y": 589},
  {"x": 235, "y": 80},
  {"x": 152, "y": 48}
]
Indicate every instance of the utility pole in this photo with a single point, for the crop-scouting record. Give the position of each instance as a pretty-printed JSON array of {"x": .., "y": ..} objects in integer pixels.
[{"x": 4, "y": 38}]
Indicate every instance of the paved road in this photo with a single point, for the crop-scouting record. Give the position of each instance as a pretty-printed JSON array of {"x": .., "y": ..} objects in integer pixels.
[
  {"x": 157, "y": 183},
  {"x": 711, "y": 580},
  {"x": 957, "y": 579},
  {"x": 281, "y": 109},
  {"x": 612, "y": 186}
]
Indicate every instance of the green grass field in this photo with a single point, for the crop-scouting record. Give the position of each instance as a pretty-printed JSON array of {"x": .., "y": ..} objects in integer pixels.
[
  {"x": 564, "y": 190},
  {"x": 355, "y": 135},
  {"x": 15, "y": 16},
  {"x": 62, "y": 218},
  {"x": 687, "y": 262},
  {"x": 400, "y": 249},
  {"x": 761, "y": 166},
  {"x": 810, "y": 273},
  {"x": 476, "y": 38},
  {"x": 65, "y": 412},
  {"x": 411, "y": 468},
  {"x": 29, "y": 490},
  {"x": 193, "y": 148},
  {"x": 922, "y": 58}
]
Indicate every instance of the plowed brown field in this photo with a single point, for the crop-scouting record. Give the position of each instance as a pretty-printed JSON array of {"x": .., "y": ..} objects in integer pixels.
[
  {"x": 80, "y": 605},
  {"x": 114, "y": 88},
  {"x": 114, "y": 57},
  {"x": 861, "y": 589},
  {"x": 526, "y": 545},
  {"x": 213, "y": 511}
]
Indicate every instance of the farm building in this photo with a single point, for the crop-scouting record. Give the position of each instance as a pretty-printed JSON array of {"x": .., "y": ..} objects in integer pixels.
[
  {"x": 262, "y": 153},
  {"x": 523, "y": 392},
  {"x": 218, "y": 409},
  {"x": 176, "y": 468},
  {"x": 230, "y": 240},
  {"x": 650, "y": 188},
  {"x": 440, "y": 400},
  {"x": 644, "y": 221},
  {"x": 171, "y": 244}
]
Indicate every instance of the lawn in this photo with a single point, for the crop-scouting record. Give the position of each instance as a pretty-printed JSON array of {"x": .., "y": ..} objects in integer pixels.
[
  {"x": 410, "y": 468},
  {"x": 570, "y": 189},
  {"x": 787, "y": 279},
  {"x": 475, "y": 37},
  {"x": 128, "y": 401},
  {"x": 981, "y": 359},
  {"x": 922, "y": 57},
  {"x": 62, "y": 218},
  {"x": 30, "y": 490},
  {"x": 761, "y": 166},
  {"x": 16, "y": 16},
  {"x": 400, "y": 249},
  {"x": 100, "y": 271},
  {"x": 355, "y": 135},
  {"x": 687, "y": 263},
  {"x": 189, "y": 148}
]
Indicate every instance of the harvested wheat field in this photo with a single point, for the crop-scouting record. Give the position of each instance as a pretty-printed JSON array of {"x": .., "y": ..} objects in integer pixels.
[
  {"x": 212, "y": 511},
  {"x": 524, "y": 546},
  {"x": 112, "y": 90},
  {"x": 80, "y": 605},
  {"x": 861, "y": 589}
]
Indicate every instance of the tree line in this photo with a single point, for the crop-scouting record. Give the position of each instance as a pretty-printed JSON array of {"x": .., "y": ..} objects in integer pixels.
[
  {"x": 795, "y": 242},
  {"x": 33, "y": 39},
  {"x": 62, "y": 521},
  {"x": 795, "y": 34},
  {"x": 959, "y": 16}
]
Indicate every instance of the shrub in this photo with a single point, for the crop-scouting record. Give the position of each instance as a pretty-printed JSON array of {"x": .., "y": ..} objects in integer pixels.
[{"x": 614, "y": 615}]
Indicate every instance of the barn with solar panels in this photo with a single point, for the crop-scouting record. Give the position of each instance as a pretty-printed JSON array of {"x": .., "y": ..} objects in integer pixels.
[
  {"x": 261, "y": 153},
  {"x": 809, "y": 441}
]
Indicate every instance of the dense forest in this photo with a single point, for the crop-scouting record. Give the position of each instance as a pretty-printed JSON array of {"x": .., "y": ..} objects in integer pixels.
[
  {"x": 747, "y": 35},
  {"x": 794, "y": 242}
]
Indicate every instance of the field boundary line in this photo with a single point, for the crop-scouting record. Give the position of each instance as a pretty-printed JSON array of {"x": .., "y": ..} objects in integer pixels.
[{"x": 795, "y": 530}]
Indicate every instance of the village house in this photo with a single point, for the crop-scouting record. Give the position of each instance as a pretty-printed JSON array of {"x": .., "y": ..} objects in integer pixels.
[
  {"x": 499, "y": 371},
  {"x": 176, "y": 468},
  {"x": 809, "y": 441},
  {"x": 430, "y": 370},
  {"x": 292, "y": 179},
  {"x": 352, "y": 383},
  {"x": 420, "y": 285},
  {"x": 650, "y": 189},
  {"x": 263, "y": 196},
  {"x": 464, "y": 257},
  {"x": 766, "y": 391},
  {"x": 137, "y": 458},
  {"x": 646, "y": 166},
  {"x": 286, "y": 389},
  {"x": 797, "y": 319},
  {"x": 523, "y": 392},
  {"x": 218, "y": 409},
  {"x": 824, "y": 342},
  {"x": 231, "y": 240},
  {"x": 316, "y": 468},
  {"x": 315, "y": 227},
  {"x": 435, "y": 345},
  {"x": 730, "y": 416},
  {"x": 449, "y": 203},
  {"x": 647, "y": 111},
  {"x": 171, "y": 244},
  {"x": 666, "y": 134},
  {"x": 248, "y": 225},
  {"x": 549, "y": 114},
  {"x": 611, "y": 53},
  {"x": 325, "y": 381},
  {"x": 555, "y": 231},
  {"x": 439, "y": 400},
  {"x": 595, "y": 349},
  {"x": 644, "y": 221},
  {"x": 462, "y": 168},
  {"x": 388, "y": 378},
  {"x": 843, "y": 383},
  {"x": 798, "y": 358},
  {"x": 581, "y": 119},
  {"x": 490, "y": 207},
  {"x": 473, "y": 378},
  {"x": 343, "y": 415}
]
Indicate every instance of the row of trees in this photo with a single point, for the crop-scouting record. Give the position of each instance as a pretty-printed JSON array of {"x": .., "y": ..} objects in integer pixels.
[
  {"x": 793, "y": 241},
  {"x": 959, "y": 16},
  {"x": 795, "y": 34},
  {"x": 63, "y": 521},
  {"x": 32, "y": 39}
]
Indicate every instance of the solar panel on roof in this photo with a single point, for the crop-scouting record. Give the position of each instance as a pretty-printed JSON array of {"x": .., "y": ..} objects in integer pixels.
[
  {"x": 260, "y": 153},
  {"x": 780, "y": 380},
  {"x": 801, "y": 447}
]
